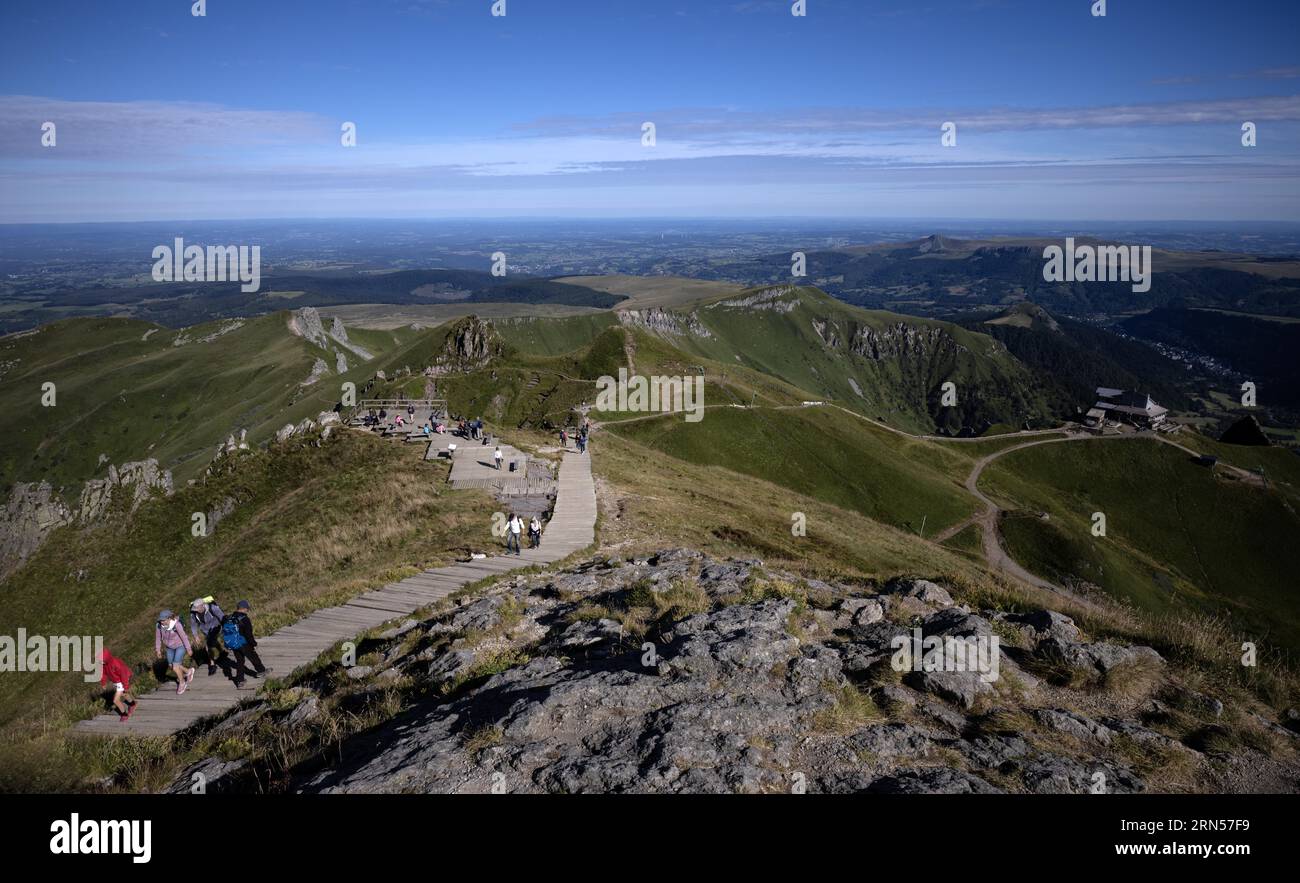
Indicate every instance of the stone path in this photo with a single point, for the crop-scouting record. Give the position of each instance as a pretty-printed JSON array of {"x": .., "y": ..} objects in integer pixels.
[{"x": 163, "y": 712}]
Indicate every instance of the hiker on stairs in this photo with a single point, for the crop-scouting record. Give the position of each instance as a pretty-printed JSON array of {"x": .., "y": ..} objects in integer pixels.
[
  {"x": 116, "y": 672},
  {"x": 514, "y": 527},
  {"x": 205, "y": 622},
  {"x": 497, "y": 457},
  {"x": 237, "y": 633},
  {"x": 534, "y": 533},
  {"x": 168, "y": 632}
]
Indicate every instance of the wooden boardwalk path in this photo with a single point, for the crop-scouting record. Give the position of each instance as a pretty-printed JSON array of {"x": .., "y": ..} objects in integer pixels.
[{"x": 572, "y": 527}]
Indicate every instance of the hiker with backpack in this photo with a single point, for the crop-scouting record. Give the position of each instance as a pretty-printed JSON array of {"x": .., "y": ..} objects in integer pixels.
[
  {"x": 534, "y": 533},
  {"x": 237, "y": 634},
  {"x": 205, "y": 621},
  {"x": 116, "y": 672},
  {"x": 170, "y": 634}
]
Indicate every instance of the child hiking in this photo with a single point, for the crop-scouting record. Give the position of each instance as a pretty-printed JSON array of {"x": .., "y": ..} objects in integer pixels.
[{"x": 117, "y": 673}]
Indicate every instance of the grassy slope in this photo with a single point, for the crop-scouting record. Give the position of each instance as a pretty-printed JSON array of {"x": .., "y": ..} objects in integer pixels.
[
  {"x": 554, "y": 337},
  {"x": 1176, "y": 534},
  {"x": 822, "y": 453},
  {"x": 651, "y": 501},
  {"x": 313, "y": 527},
  {"x": 129, "y": 397},
  {"x": 904, "y": 392}
]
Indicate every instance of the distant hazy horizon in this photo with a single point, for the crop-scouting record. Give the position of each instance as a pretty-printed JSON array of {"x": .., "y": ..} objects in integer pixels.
[{"x": 240, "y": 114}]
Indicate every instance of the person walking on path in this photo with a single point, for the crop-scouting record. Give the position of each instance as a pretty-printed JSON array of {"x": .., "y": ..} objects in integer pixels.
[
  {"x": 564, "y": 440},
  {"x": 534, "y": 533},
  {"x": 205, "y": 623},
  {"x": 514, "y": 527},
  {"x": 169, "y": 633},
  {"x": 237, "y": 633},
  {"x": 582, "y": 443},
  {"x": 497, "y": 456},
  {"x": 116, "y": 672}
]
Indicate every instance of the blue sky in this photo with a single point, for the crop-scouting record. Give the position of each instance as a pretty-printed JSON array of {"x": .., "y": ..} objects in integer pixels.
[{"x": 1060, "y": 115}]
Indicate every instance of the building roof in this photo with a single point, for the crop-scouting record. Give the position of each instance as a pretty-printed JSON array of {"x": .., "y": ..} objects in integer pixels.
[{"x": 1129, "y": 403}]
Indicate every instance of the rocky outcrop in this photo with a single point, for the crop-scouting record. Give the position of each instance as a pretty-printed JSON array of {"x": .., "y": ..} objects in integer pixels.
[
  {"x": 140, "y": 480},
  {"x": 305, "y": 322},
  {"x": 470, "y": 344},
  {"x": 337, "y": 331},
  {"x": 781, "y": 299},
  {"x": 903, "y": 340},
  {"x": 33, "y": 510},
  {"x": 36, "y": 509},
  {"x": 325, "y": 421},
  {"x": 682, "y": 673},
  {"x": 664, "y": 323},
  {"x": 318, "y": 370}
]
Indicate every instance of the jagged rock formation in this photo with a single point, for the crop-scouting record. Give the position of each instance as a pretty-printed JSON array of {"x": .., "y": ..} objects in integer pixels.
[
  {"x": 340, "y": 363},
  {"x": 775, "y": 298},
  {"x": 681, "y": 673},
  {"x": 904, "y": 341},
  {"x": 231, "y": 445},
  {"x": 141, "y": 479},
  {"x": 35, "y": 509},
  {"x": 318, "y": 370},
  {"x": 828, "y": 332},
  {"x": 325, "y": 421},
  {"x": 663, "y": 323},
  {"x": 305, "y": 322},
  {"x": 470, "y": 344}
]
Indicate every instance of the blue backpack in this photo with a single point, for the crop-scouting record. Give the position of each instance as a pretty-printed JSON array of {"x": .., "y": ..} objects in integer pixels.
[{"x": 231, "y": 635}]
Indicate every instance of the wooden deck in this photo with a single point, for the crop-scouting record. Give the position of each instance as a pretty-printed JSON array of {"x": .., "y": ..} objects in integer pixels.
[{"x": 163, "y": 712}]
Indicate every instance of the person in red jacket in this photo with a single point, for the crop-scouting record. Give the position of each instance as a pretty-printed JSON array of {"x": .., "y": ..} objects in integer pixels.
[{"x": 118, "y": 673}]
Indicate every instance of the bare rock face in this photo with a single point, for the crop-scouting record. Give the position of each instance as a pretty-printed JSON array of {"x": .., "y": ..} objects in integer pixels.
[
  {"x": 32, "y": 512},
  {"x": 682, "y": 673},
  {"x": 140, "y": 480},
  {"x": 470, "y": 344},
  {"x": 35, "y": 509},
  {"x": 664, "y": 323},
  {"x": 305, "y": 322},
  {"x": 318, "y": 370},
  {"x": 340, "y": 363},
  {"x": 338, "y": 331},
  {"x": 903, "y": 340},
  {"x": 779, "y": 298}
]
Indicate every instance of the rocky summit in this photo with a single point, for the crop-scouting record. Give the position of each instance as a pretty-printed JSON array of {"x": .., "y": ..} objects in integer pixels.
[{"x": 680, "y": 673}]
